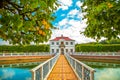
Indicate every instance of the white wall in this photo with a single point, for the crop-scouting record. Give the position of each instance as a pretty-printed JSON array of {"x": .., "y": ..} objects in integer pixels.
[{"x": 55, "y": 46}]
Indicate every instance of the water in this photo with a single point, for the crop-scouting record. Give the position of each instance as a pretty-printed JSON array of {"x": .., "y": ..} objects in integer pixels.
[
  {"x": 105, "y": 71},
  {"x": 15, "y": 74},
  {"x": 107, "y": 74}
]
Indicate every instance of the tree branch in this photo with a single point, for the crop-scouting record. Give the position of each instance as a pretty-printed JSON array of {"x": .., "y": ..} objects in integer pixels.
[{"x": 30, "y": 11}]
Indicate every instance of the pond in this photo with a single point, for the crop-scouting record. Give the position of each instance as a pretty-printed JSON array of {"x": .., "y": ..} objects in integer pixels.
[
  {"x": 17, "y": 72},
  {"x": 105, "y": 71},
  {"x": 107, "y": 74}
]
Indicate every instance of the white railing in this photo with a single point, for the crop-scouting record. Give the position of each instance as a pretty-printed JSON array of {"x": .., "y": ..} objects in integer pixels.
[
  {"x": 82, "y": 71},
  {"x": 98, "y": 53},
  {"x": 26, "y": 54},
  {"x": 43, "y": 70},
  {"x": 102, "y": 64},
  {"x": 20, "y": 64}
]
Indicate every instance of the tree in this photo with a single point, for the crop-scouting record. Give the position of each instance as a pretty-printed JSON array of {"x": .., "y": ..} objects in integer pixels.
[
  {"x": 26, "y": 21},
  {"x": 103, "y": 18}
]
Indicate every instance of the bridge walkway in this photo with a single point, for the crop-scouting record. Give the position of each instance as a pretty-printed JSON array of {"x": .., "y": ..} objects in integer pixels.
[{"x": 62, "y": 70}]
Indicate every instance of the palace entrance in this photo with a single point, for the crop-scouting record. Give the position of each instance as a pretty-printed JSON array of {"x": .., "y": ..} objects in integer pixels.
[
  {"x": 62, "y": 46},
  {"x": 62, "y": 50}
]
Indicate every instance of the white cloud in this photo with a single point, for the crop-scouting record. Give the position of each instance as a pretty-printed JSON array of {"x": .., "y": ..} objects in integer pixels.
[
  {"x": 4, "y": 43},
  {"x": 7, "y": 74},
  {"x": 72, "y": 25},
  {"x": 78, "y": 3},
  {"x": 65, "y": 4},
  {"x": 63, "y": 22},
  {"x": 63, "y": 7},
  {"x": 63, "y": 15},
  {"x": 85, "y": 7},
  {"x": 28, "y": 78},
  {"x": 112, "y": 74},
  {"x": 73, "y": 31},
  {"x": 73, "y": 12}
]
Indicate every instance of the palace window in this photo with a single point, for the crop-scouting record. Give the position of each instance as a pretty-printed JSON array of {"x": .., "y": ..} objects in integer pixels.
[
  {"x": 71, "y": 50},
  {"x": 52, "y": 50},
  {"x": 57, "y": 43},
  {"x": 66, "y": 43},
  {"x": 57, "y": 50},
  {"x": 71, "y": 43},
  {"x": 66, "y": 50},
  {"x": 52, "y": 43}
]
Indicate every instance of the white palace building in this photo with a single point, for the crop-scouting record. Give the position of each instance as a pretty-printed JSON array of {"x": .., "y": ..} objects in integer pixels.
[{"x": 62, "y": 45}]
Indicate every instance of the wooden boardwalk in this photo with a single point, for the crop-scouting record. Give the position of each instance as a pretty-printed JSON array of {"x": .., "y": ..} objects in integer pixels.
[{"x": 62, "y": 70}]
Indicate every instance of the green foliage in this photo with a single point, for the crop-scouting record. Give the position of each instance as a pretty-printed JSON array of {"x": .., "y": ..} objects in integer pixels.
[
  {"x": 25, "y": 21},
  {"x": 31, "y": 48},
  {"x": 112, "y": 41},
  {"x": 97, "y": 47},
  {"x": 103, "y": 18}
]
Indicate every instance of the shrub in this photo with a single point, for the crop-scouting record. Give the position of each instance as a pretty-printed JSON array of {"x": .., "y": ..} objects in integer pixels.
[
  {"x": 97, "y": 47},
  {"x": 30, "y": 48}
]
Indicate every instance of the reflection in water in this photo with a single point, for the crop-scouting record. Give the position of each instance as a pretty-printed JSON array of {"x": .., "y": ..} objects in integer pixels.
[
  {"x": 107, "y": 74},
  {"x": 105, "y": 71},
  {"x": 7, "y": 74},
  {"x": 15, "y": 74}
]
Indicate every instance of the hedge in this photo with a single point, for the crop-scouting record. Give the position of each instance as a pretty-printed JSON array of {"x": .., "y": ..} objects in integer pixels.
[
  {"x": 78, "y": 48},
  {"x": 31, "y": 48},
  {"x": 97, "y": 47}
]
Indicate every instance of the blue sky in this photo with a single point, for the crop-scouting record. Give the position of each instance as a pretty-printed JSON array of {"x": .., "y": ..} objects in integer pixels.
[{"x": 69, "y": 21}]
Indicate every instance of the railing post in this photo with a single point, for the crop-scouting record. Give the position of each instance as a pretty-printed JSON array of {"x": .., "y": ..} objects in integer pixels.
[
  {"x": 113, "y": 54},
  {"x": 2, "y": 66},
  {"x": 75, "y": 65},
  {"x": 41, "y": 72},
  {"x": 24, "y": 54},
  {"x": 11, "y": 54},
  {"x": 83, "y": 72},
  {"x": 10, "y": 65},
  {"x": 49, "y": 65},
  {"x": 91, "y": 75},
  {"x": 3, "y": 54},
  {"x": 33, "y": 75}
]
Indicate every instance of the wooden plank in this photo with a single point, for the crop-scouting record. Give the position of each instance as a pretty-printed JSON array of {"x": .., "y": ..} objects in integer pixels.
[{"x": 62, "y": 70}]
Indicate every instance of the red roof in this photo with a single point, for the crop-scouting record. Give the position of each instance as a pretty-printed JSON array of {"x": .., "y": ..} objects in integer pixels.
[{"x": 62, "y": 37}]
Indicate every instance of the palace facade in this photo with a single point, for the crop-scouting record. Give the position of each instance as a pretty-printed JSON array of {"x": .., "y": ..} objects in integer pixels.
[{"x": 62, "y": 45}]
